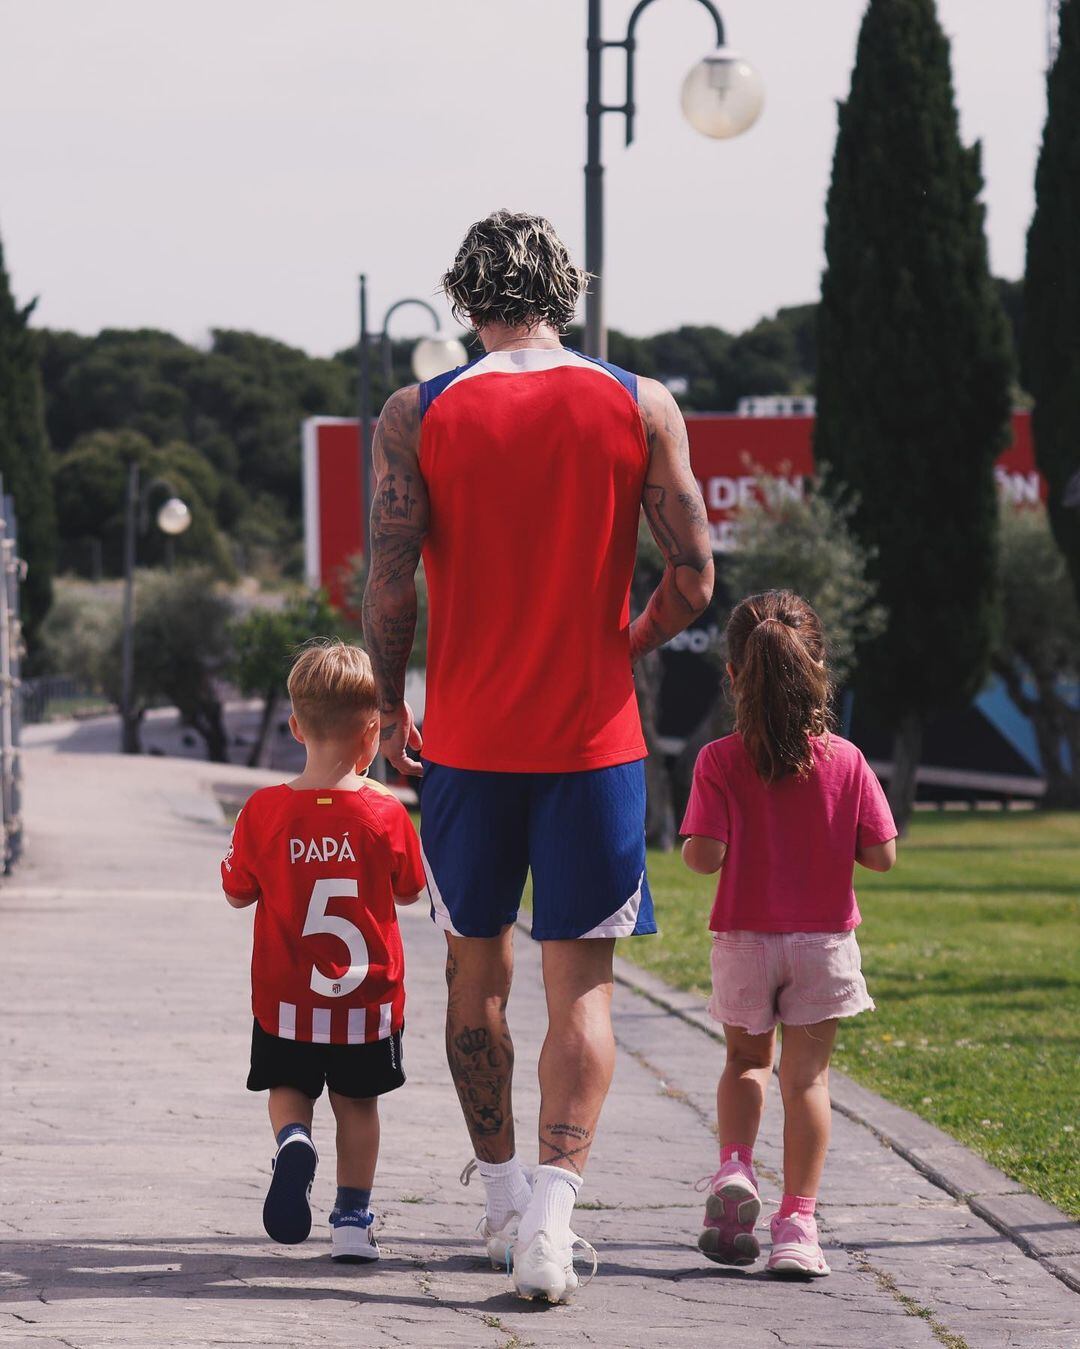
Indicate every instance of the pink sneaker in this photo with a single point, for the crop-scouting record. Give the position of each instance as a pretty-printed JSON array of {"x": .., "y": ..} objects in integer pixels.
[
  {"x": 731, "y": 1210},
  {"x": 795, "y": 1248}
]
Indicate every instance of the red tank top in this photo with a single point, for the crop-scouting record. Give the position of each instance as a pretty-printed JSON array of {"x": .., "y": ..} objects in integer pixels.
[{"x": 534, "y": 463}]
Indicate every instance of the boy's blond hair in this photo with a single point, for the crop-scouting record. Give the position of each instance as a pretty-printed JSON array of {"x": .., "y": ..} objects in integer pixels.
[{"x": 332, "y": 688}]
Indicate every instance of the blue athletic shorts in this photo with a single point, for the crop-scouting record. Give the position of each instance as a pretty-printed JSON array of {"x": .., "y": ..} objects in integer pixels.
[{"x": 582, "y": 834}]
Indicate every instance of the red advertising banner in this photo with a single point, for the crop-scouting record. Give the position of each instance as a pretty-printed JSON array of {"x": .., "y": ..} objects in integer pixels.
[
  {"x": 728, "y": 454},
  {"x": 333, "y": 519}
]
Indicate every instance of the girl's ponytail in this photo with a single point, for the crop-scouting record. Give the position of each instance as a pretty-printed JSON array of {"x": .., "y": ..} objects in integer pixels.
[{"x": 781, "y": 686}]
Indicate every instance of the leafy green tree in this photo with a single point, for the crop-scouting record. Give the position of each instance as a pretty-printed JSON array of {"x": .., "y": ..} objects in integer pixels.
[
  {"x": 808, "y": 544},
  {"x": 803, "y": 543},
  {"x": 24, "y": 453},
  {"x": 265, "y": 642},
  {"x": 79, "y": 632},
  {"x": 913, "y": 376},
  {"x": 183, "y": 652},
  {"x": 1037, "y": 653},
  {"x": 1051, "y": 329},
  {"x": 238, "y": 406},
  {"x": 91, "y": 497}
]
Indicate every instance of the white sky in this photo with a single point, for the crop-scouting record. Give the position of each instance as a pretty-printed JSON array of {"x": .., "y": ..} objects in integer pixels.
[{"x": 235, "y": 163}]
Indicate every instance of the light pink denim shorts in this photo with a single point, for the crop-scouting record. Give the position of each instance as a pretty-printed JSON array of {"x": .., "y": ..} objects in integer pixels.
[{"x": 795, "y": 978}]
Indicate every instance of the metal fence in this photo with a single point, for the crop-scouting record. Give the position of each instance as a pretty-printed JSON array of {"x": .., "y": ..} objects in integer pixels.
[
  {"x": 45, "y": 696},
  {"x": 12, "y": 571}
]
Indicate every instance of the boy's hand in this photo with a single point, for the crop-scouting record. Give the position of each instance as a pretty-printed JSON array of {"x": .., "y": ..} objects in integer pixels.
[{"x": 399, "y": 733}]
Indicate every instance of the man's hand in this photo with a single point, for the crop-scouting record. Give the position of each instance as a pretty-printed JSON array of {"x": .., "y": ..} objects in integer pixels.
[{"x": 398, "y": 732}]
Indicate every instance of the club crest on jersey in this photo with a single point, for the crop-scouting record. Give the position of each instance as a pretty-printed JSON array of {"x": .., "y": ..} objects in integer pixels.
[{"x": 321, "y": 850}]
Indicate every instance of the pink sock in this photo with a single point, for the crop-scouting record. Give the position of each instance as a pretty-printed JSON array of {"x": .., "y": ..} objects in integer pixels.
[
  {"x": 739, "y": 1151},
  {"x": 797, "y": 1203}
]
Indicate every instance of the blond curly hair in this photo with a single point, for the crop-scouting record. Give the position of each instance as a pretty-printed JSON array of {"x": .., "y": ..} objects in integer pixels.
[{"x": 513, "y": 268}]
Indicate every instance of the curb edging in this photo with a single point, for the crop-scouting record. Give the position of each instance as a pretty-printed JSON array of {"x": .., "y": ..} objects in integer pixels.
[{"x": 1039, "y": 1229}]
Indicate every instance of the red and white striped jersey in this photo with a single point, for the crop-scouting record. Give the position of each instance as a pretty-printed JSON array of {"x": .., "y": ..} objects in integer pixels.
[{"x": 327, "y": 964}]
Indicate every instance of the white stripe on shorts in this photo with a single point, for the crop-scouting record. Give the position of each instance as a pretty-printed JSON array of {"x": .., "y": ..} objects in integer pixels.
[
  {"x": 356, "y": 1033},
  {"x": 286, "y": 1021},
  {"x": 320, "y": 1025},
  {"x": 622, "y": 922},
  {"x": 441, "y": 913},
  {"x": 386, "y": 1010}
]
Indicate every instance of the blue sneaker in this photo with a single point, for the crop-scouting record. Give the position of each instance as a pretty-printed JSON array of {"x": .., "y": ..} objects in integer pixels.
[
  {"x": 287, "y": 1210},
  {"x": 352, "y": 1236}
]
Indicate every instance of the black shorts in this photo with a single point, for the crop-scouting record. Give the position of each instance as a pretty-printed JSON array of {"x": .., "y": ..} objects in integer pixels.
[{"x": 357, "y": 1071}]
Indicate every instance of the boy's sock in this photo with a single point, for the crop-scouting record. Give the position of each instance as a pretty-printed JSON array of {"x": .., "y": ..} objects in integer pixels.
[
  {"x": 287, "y": 1131},
  {"x": 797, "y": 1203},
  {"x": 506, "y": 1189},
  {"x": 555, "y": 1191},
  {"x": 351, "y": 1197},
  {"x": 740, "y": 1152}
]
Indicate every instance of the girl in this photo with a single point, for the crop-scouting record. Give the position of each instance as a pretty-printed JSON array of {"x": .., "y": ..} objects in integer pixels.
[{"x": 783, "y": 810}]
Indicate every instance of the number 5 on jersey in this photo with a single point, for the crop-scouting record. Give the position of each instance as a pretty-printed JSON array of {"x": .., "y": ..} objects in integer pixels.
[{"x": 319, "y": 921}]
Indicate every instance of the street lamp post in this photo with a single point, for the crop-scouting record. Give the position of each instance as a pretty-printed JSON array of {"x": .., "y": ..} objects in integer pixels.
[
  {"x": 173, "y": 518},
  {"x": 722, "y": 96}
]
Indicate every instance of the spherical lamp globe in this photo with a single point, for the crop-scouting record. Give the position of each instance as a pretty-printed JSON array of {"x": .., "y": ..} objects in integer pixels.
[
  {"x": 436, "y": 355},
  {"x": 723, "y": 95},
  {"x": 174, "y": 516}
]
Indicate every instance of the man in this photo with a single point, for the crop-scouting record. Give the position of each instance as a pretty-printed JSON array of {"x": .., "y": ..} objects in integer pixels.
[{"x": 527, "y": 471}]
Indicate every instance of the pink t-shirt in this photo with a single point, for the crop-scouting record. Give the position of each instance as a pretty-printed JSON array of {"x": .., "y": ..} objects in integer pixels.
[{"x": 791, "y": 843}]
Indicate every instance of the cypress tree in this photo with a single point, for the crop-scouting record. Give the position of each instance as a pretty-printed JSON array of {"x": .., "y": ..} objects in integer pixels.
[
  {"x": 913, "y": 375},
  {"x": 24, "y": 453},
  {"x": 1050, "y": 343}
]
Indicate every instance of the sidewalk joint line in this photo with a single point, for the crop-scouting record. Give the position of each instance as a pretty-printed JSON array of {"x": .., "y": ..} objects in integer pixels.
[{"x": 940, "y": 1331}]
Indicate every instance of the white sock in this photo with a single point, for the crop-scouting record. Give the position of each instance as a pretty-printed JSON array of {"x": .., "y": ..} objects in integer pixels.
[
  {"x": 506, "y": 1189},
  {"x": 555, "y": 1191}
]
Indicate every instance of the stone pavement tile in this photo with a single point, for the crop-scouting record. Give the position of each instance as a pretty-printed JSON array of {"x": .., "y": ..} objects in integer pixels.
[
  {"x": 962, "y": 1172},
  {"x": 135, "y": 1163},
  {"x": 1039, "y": 1224}
]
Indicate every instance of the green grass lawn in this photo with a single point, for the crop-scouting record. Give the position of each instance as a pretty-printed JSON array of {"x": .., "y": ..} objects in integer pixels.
[{"x": 971, "y": 949}]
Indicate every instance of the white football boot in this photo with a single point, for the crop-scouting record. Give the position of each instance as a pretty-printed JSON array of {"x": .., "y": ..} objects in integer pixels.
[
  {"x": 545, "y": 1270},
  {"x": 498, "y": 1241}
]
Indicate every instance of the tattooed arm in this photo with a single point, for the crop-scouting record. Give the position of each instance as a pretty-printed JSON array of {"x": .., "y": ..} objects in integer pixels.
[
  {"x": 676, "y": 516},
  {"x": 399, "y": 519}
]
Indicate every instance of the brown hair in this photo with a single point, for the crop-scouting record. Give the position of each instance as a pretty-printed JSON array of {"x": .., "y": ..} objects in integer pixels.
[
  {"x": 780, "y": 686},
  {"x": 513, "y": 268},
  {"x": 331, "y": 685}
]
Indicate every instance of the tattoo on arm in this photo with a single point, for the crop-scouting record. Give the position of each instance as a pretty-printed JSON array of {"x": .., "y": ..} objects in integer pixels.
[
  {"x": 677, "y": 518},
  {"x": 679, "y": 542},
  {"x": 399, "y": 518}
]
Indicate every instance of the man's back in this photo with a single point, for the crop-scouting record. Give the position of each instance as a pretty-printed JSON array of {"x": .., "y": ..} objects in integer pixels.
[{"x": 534, "y": 462}]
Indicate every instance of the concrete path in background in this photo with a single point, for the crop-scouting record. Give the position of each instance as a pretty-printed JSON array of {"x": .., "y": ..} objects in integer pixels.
[{"x": 133, "y": 1163}]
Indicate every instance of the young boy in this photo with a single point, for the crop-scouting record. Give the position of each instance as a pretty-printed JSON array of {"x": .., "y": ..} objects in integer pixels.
[{"x": 324, "y": 858}]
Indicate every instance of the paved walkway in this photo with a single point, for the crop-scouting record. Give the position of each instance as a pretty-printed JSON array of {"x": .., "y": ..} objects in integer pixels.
[{"x": 133, "y": 1163}]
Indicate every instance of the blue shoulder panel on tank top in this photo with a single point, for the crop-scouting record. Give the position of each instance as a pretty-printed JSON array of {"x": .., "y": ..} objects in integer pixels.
[
  {"x": 431, "y": 388},
  {"x": 625, "y": 377}
]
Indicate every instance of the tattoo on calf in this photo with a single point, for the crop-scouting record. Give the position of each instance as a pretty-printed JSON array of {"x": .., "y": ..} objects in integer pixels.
[
  {"x": 559, "y": 1141},
  {"x": 481, "y": 1073}
]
